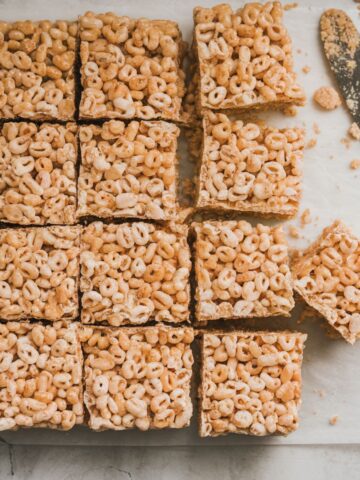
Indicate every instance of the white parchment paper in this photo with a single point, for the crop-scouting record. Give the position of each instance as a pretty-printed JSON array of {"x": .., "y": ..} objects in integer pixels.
[{"x": 331, "y": 373}]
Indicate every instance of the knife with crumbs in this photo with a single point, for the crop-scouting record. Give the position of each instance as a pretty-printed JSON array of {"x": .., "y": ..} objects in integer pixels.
[{"x": 341, "y": 42}]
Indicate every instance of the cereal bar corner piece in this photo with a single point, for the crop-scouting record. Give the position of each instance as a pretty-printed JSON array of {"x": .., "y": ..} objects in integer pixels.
[
  {"x": 242, "y": 271},
  {"x": 130, "y": 68},
  {"x": 37, "y": 173},
  {"x": 245, "y": 57},
  {"x": 327, "y": 276},
  {"x": 249, "y": 167},
  {"x": 41, "y": 376},
  {"x": 37, "y": 70},
  {"x": 138, "y": 377},
  {"x": 250, "y": 383},
  {"x": 128, "y": 170},
  {"x": 134, "y": 273},
  {"x": 39, "y": 270}
]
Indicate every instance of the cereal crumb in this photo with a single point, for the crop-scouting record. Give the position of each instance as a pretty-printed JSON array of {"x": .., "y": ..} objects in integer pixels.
[
  {"x": 290, "y": 6},
  {"x": 290, "y": 111},
  {"x": 306, "y": 69},
  {"x": 305, "y": 218},
  {"x": 333, "y": 420},
  {"x": 355, "y": 164},
  {"x": 320, "y": 392},
  {"x": 327, "y": 97},
  {"x": 311, "y": 143},
  {"x": 354, "y": 131},
  {"x": 346, "y": 142},
  {"x": 316, "y": 128},
  {"x": 293, "y": 231}
]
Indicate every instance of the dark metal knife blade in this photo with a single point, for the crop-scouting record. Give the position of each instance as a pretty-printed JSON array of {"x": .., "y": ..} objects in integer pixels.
[{"x": 341, "y": 42}]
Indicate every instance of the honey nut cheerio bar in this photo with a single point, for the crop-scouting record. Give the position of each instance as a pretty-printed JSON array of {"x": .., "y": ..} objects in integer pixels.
[
  {"x": 135, "y": 273},
  {"x": 37, "y": 173},
  {"x": 248, "y": 167},
  {"x": 326, "y": 275},
  {"x": 241, "y": 271},
  {"x": 138, "y": 377},
  {"x": 130, "y": 68},
  {"x": 245, "y": 57},
  {"x": 39, "y": 270},
  {"x": 37, "y": 62},
  {"x": 250, "y": 383},
  {"x": 128, "y": 170},
  {"x": 41, "y": 376}
]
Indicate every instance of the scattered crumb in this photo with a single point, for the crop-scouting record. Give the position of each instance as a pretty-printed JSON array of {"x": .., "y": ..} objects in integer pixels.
[
  {"x": 306, "y": 69},
  {"x": 333, "y": 420},
  {"x": 320, "y": 392},
  {"x": 290, "y": 6},
  {"x": 327, "y": 97},
  {"x": 355, "y": 164},
  {"x": 293, "y": 231},
  {"x": 311, "y": 143},
  {"x": 346, "y": 141},
  {"x": 354, "y": 131},
  {"x": 305, "y": 218},
  {"x": 332, "y": 157},
  {"x": 290, "y": 111},
  {"x": 299, "y": 50},
  {"x": 316, "y": 128}
]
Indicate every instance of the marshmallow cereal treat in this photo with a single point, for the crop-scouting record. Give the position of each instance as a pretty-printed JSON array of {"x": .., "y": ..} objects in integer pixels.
[
  {"x": 250, "y": 168},
  {"x": 128, "y": 170},
  {"x": 130, "y": 68},
  {"x": 245, "y": 57},
  {"x": 37, "y": 70},
  {"x": 135, "y": 273},
  {"x": 39, "y": 270},
  {"x": 250, "y": 383},
  {"x": 37, "y": 173},
  {"x": 40, "y": 376},
  {"x": 327, "y": 276},
  {"x": 241, "y": 271},
  {"x": 138, "y": 377}
]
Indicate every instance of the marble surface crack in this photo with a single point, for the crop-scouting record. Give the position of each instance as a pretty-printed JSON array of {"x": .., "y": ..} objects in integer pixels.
[{"x": 11, "y": 454}]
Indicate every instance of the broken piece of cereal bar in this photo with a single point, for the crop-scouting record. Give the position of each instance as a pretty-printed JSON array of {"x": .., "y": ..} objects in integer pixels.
[{"x": 326, "y": 275}]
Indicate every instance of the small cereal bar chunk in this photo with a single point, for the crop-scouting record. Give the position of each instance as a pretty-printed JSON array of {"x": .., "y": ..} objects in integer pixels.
[
  {"x": 327, "y": 276},
  {"x": 138, "y": 377},
  {"x": 40, "y": 376},
  {"x": 37, "y": 173},
  {"x": 250, "y": 168},
  {"x": 245, "y": 57},
  {"x": 134, "y": 273},
  {"x": 37, "y": 70},
  {"x": 39, "y": 270},
  {"x": 128, "y": 171},
  {"x": 130, "y": 68},
  {"x": 242, "y": 271},
  {"x": 250, "y": 383}
]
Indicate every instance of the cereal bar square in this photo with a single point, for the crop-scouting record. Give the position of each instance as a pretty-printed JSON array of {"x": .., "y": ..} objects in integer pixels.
[
  {"x": 138, "y": 377},
  {"x": 248, "y": 167},
  {"x": 130, "y": 68},
  {"x": 128, "y": 171},
  {"x": 250, "y": 383},
  {"x": 326, "y": 275},
  {"x": 134, "y": 273},
  {"x": 39, "y": 270},
  {"x": 37, "y": 70},
  {"x": 245, "y": 57},
  {"x": 242, "y": 271},
  {"x": 41, "y": 376},
  {"x": 37, "y": 173}
]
